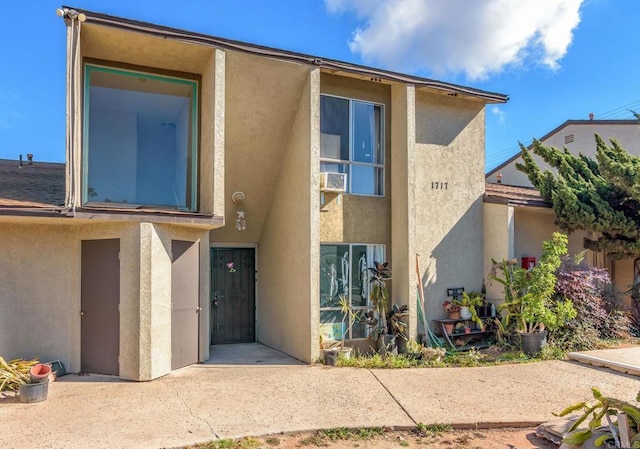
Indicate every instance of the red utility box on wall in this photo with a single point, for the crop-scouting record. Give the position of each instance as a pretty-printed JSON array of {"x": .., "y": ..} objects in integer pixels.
[{"x": 528, "y": 262}]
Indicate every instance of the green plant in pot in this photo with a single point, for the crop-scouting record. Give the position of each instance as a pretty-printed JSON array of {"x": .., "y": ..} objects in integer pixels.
[
  {"x": 471, "y": 302},
  {"x": 530, "y": 307},
  {"x": 397, "y": 324},
  {"x": 379, "y": 296}
]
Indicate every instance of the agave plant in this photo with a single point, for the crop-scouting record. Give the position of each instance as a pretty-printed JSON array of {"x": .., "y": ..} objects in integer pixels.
[{"x": 14, "y": 373}]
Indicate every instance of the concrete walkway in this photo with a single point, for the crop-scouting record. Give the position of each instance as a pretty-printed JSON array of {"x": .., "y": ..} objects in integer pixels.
[
  {"x": 205, "y": 402},
  {"x": 625, "y": 360}
]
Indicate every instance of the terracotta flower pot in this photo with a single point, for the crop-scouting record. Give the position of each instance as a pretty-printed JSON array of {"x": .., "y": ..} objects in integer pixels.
[
  {"x": 449, "y": 328},
  {"x": 39, "y": 373},
  {"x": 454, "y": 315}
]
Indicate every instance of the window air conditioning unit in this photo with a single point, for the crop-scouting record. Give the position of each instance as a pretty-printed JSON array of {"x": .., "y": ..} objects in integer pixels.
[{"x": 333, "y": 182}]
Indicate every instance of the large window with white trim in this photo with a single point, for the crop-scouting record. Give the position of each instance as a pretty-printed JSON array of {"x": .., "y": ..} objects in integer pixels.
[
  {"x": 140, "y": 139},
  {"x": 344, "y": 271},
  {"x": 352, "y": 142}
]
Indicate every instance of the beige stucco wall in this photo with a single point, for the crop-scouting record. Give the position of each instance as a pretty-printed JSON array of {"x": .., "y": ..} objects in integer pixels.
[
  {"x": 262, "y": 97},
  {"x": 623, "y": 274},
  {"x": 449, "y": 221},
  {"x": 212, "y": 134},
  {"x": 288, "y": 313},
  {"x": 40, "y": 294},
  {"x": 499, "y": 243},
  {"x": 403, "y": 193},
  {"x": 535, "y": 225}
]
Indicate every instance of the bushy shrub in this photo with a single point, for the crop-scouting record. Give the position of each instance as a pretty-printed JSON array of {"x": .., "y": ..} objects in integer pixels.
[{"x": 600, "y": 314}]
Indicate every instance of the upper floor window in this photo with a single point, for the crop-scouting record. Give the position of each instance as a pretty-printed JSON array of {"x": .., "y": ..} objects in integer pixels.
[
  {"x": 140, "y": 139},
  {"x": 351, "y": 141}
]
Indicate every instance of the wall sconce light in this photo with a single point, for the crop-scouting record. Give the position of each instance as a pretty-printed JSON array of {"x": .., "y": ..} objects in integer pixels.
[{"x": 241, "y": 222}]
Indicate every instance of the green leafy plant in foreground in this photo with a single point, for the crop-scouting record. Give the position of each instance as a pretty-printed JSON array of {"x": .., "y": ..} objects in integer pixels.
[
  {"x": 529, "y": 294},
  {"x": 593, "y": 415}
]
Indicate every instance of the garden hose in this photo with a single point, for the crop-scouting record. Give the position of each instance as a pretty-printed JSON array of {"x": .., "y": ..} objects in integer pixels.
[{"x": 433, "y": 340}]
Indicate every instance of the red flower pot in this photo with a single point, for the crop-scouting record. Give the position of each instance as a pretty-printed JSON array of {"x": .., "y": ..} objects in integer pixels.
[{"x": 39, "y": 373}]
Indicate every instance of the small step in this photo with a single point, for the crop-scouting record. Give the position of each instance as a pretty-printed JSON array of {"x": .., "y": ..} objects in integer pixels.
[{"x": 625, "y": 360}]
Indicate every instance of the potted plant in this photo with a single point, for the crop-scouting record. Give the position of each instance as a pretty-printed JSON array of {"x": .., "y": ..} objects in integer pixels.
[
  {"x": 468, "y": 306},
  {"x": 350, "y": 316},
  {"x": 460, "y": 328},
  {"x": 530, "y": 306},
  {"x": 397, "y": 323},
  {"x": 453, "y": 309},
  {"x": 379, "y": 296}
]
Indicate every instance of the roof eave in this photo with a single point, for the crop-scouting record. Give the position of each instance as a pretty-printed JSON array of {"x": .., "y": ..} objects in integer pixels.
[{"x": 199, "y": 38}]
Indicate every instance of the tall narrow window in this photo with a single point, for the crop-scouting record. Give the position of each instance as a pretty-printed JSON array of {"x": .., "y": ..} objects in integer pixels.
[
  {"x": 344, "y": 271},
  {"x": 140, "y": 139},
  {"x": 351, "y": 142}
]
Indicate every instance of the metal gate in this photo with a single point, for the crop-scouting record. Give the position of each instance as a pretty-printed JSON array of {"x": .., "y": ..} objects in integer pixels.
[{"x": 232, "y": 295}]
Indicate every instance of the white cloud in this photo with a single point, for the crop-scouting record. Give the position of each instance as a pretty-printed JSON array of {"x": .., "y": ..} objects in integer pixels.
[
  {"x": 476, "y": 37},
  {"x": 499, "y": 113}
]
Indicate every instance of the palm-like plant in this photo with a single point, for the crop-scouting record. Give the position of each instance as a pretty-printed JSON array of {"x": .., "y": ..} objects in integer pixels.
[
  {"x": 380, "y": 274},
  {"x": 348, "y": 314}
]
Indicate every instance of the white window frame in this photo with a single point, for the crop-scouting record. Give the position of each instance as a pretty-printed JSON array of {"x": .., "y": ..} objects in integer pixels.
[
  {"x": 366, "y": 307},
  {"x": 351, "y": 162}
]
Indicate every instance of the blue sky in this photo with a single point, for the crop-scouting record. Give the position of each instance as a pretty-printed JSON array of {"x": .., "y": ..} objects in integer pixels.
[{"x": 557, "y": 60}]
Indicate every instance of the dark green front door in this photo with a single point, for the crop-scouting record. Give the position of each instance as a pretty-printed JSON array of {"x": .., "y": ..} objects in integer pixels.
[{"x": 233, "y": 302}]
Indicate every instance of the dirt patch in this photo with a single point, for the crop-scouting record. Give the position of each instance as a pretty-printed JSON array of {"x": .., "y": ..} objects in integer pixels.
[{"x": 522, "y": 438}]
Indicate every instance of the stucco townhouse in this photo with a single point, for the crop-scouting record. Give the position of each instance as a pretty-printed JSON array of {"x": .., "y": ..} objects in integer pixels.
[{"x": 217, "y": 191}]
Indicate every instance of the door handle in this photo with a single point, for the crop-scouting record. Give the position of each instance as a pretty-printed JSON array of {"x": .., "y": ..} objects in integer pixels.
[
  {"x": 81, "y": 313},
  {"x": 198, "y": 309}
]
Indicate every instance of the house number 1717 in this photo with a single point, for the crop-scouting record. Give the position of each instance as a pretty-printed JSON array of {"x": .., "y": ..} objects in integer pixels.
[{"x": 440, "y": 185}]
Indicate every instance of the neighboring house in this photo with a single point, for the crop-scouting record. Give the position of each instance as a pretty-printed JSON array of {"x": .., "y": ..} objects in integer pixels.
[
  {"x": 522, "y": 226},
  {"x": 196, "y": 210},
  {"x": 576, "y": 136}
]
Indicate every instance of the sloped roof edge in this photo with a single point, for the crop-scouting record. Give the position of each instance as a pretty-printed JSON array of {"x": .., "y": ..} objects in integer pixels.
[
  {"x": 189, "y": 36},
  {"x": 556, "y": 130},
  {"x": 513, "y": 195}
]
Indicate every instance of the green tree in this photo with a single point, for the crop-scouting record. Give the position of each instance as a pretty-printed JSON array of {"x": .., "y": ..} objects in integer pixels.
[{"x": 600, "y": 195}]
